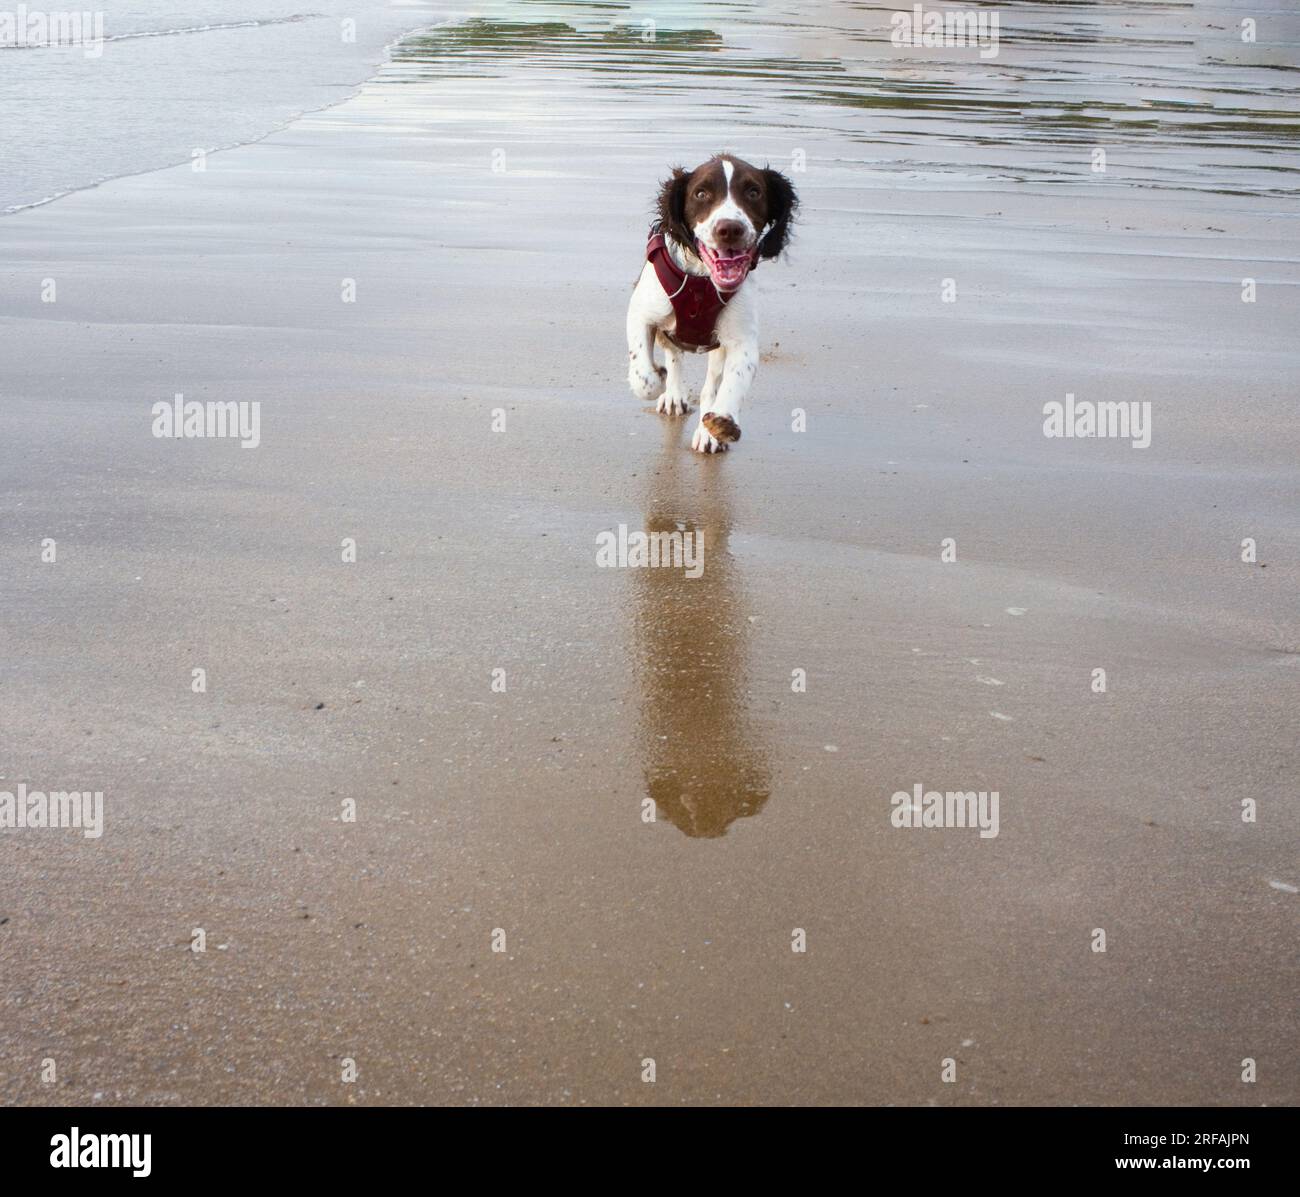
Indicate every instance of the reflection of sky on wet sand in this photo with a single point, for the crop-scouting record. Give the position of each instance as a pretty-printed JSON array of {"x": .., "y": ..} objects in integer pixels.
[{"x": 1170, "y": 91}]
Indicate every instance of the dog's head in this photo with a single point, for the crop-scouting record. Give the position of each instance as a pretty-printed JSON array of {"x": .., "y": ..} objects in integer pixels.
[{"x": 729, "y": 213}]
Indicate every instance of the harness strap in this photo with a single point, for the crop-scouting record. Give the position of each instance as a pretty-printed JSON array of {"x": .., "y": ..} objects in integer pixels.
[{"x": 697, "y": 303}]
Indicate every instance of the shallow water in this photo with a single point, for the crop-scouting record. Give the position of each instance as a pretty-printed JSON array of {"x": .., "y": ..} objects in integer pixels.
[{"x": 1168, "y": 91}]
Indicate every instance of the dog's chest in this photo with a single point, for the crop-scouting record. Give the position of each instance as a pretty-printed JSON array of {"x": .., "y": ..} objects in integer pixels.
[{"x": 696, "y": 302}]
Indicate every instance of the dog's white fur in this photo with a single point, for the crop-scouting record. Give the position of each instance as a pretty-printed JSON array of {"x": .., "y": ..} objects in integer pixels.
[{"x": 732, "y": 365}]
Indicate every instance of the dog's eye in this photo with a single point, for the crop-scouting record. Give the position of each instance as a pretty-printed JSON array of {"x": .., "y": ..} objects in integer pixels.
[
  {"x": 753, "y": 192},
  {"x": 701, "y": 193}
]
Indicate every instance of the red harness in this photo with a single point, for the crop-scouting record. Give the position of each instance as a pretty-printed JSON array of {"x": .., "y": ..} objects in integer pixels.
[{"x": 696, "y": 301}]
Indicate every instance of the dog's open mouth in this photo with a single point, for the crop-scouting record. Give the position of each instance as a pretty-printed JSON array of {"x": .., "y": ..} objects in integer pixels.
[{"x": 727, "y": 273}]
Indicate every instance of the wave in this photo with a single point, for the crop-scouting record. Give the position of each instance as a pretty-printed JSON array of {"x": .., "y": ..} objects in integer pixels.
[{"x": 182, "y": 29}]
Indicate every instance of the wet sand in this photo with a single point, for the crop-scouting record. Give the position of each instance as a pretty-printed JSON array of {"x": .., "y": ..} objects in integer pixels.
[{"x": 480, "y": 291}]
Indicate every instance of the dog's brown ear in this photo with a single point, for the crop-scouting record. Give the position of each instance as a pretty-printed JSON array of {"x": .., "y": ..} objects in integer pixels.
[
  {"x": 782, "y": 203},
  {"x": 671, "y": 208}
]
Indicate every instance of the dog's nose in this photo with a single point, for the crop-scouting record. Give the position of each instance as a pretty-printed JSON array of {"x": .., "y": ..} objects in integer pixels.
[{"x": 729, "y": 232}]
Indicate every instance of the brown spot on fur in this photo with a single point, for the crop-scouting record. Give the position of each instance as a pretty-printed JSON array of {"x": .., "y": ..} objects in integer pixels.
[{"x": 724, "y": 428}]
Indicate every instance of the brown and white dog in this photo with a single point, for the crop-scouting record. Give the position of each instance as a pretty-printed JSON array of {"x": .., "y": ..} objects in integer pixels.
[{"x": 714, "y": 225}]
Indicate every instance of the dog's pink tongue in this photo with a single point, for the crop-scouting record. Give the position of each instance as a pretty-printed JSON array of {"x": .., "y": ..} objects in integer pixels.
[{"x": 729, "y": 273}]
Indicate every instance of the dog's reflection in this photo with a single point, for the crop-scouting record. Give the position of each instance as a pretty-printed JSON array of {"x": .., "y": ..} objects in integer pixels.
[{"x": 704, "y": 764}]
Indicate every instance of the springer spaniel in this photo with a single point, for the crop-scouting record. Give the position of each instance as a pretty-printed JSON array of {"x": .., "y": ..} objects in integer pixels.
[{"x": 715, "y": 223}]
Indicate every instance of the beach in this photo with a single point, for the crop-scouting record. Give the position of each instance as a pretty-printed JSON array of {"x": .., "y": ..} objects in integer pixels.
[{"x": 498, "y": 824}]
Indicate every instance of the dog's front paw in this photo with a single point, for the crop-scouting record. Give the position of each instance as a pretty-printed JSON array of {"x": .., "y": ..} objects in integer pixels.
[
  {"x": 674, "y": 404},
  {"x": 646, "y": 381},
  {"x": 721, "y": 428},
  {"x": 703, "y": 441}
]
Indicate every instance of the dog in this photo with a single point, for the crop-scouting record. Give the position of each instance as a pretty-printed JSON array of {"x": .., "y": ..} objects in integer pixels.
[{"x": 715, "y": 224}]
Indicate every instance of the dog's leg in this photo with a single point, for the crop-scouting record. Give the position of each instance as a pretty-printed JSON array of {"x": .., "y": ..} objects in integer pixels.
[
  {"x": 737, "y": 333},
  {"x": 676, "y": 399},
  {"x": 719, "y": 424},
  {"x": 643, "y": 376},
  {"x": 649, "y": 305},
  {"x": 716, "y": 359}
]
